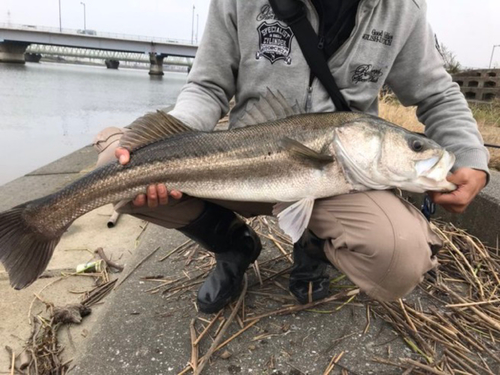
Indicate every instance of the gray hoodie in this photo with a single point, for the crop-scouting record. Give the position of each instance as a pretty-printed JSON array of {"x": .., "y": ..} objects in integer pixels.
[{"x": 245, "y": 50}]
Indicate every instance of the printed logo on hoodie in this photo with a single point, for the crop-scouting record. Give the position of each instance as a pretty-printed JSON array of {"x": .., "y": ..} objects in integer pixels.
[
  {"x": 379, "y": 36},
  {"x": 266, "y": 13},
  {"x": 275, "y": 42},
  {"x": 365, "y": 73}
]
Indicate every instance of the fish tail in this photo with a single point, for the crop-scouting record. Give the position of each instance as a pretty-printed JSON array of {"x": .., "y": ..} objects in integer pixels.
[{"x": 24, "y": 251}]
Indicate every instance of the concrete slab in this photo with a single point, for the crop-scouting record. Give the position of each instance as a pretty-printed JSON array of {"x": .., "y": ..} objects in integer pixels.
[
  {"x": 76, "y": 247},
  {"x": 15, "y": 325},
  {"x": 72, "y": 163},
  {"x": 27, "y": 188},
  {"x": 482, "y": 217},
  {"x": 48, "y": 179},
  {"x": 144, "y": 333}
]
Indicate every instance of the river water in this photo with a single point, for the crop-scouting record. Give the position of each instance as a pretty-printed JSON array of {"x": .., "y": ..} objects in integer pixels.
[{"x": 48, "y": 110}]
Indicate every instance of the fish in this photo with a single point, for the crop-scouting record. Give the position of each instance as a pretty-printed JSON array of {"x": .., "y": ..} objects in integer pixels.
[{"x": 274, "y": 153}]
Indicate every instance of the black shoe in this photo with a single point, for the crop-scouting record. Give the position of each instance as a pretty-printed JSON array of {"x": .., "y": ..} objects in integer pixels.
[
  {"x": 308, "y": 279},
  {"x": 235, "y": 245}
]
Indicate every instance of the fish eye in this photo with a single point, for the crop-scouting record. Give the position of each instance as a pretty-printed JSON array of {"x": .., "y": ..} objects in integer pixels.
[{"x": 417, "y": 145}]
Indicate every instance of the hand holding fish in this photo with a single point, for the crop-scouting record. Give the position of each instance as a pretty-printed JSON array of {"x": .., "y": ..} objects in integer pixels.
[
  {"x": 156, "y": 194},
  {"x": 469, "y": 183}
]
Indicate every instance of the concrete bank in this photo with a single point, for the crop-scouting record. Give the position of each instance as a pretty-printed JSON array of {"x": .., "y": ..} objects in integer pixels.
[
  {"x": 76, "y": 247},
  {"x": 482, "y": 217},
  {"x": 143, "y": 327}
]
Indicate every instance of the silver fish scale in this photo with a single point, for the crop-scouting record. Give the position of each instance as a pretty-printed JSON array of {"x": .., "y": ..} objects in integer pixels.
[{"x": 246, "y": 164}]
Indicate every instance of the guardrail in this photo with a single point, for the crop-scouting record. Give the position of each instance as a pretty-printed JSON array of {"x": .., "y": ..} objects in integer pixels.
[
  {"x": 92, "y": 33},
  {"x": 102, "y": 54}
]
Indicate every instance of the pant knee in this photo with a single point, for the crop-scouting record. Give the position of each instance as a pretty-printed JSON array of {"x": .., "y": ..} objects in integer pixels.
[
  {"x": 385, "y": 264},
  {"x": 379, "y": 241},
  {"x": 399, "y": 267}
]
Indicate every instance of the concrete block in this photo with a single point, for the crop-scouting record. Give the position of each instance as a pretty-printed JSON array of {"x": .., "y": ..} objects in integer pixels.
[{"x": 482, "y": 217}]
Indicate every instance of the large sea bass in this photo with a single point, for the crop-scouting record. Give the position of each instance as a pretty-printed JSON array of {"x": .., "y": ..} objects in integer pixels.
[{"x": 287, "y": 158}]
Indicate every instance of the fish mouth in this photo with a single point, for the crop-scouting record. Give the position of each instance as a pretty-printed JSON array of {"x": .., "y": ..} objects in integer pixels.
[{"x": 431, "y": 173}]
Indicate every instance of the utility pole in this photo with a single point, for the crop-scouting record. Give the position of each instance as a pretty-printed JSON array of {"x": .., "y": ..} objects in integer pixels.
[
  {"x": 492, "y": 52},
  {"x": 84, "y": 16},
  {"x": 192, "y": 26},
  {"x": 60, "y": 23}
]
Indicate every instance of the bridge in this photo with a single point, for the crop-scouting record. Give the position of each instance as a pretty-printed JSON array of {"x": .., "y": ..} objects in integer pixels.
[
  {"x": 112, "y": 59},
  {"x": 15, "y": 39}
]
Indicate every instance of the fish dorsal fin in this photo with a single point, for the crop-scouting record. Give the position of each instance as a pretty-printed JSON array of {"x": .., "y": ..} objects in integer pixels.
[
  {"x": 293, "y": 218},
  {"x": 302, "y": 151},
  {"x": 270, "y": 107},
  {"x": 150, "y": 128}
]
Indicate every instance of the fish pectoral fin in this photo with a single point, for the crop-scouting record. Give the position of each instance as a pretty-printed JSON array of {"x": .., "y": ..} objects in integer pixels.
[
  {"x": 293, "y": 217},
  {"x": 305, "y": 152},
  {"x": 151, "y": 128}
]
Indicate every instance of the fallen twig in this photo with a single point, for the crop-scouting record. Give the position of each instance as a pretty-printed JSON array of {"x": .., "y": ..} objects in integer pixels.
[
  {"x": 332, "y": 364},
  {"x": 413, "y": 363},
  {"x": 204, "y": 360},
  {"x": 99, "y": 251},
  {"x": 297, "y": 308},
  {"x": 136, "y": 267},
  {"x": 194, "y": 347},
  {"x": 174, "y": 250},
  {"x": 13, "y": 363},
  {"x": 207, "y": 328},
  {"x": 236, "y": 334}
]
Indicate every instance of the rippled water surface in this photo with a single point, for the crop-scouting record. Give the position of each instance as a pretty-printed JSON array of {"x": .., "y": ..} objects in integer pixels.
[{"x": 48, "y": 110}]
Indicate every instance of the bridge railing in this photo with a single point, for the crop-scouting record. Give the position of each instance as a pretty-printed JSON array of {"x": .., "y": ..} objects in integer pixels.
[
  {"x": 103, "y": 54},
  {"x": 92, "y": 33}
]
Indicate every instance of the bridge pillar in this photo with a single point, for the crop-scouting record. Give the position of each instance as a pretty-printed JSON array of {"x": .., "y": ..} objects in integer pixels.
[
  {"x": 13, "y": 52},
  {"x": 32, "y": 57},
  {"x": 112, "y": 64},
  {"x": 156, "y": 66}
]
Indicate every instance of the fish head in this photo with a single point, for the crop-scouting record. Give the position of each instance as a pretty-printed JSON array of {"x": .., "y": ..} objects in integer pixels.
[{"x": 379, "y": 155}]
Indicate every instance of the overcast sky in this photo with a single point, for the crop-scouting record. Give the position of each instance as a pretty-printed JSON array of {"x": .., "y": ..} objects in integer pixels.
[{"x": 469, "y": 28}]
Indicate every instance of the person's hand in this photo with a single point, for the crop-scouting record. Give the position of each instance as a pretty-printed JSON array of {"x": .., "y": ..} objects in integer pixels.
[
  {"x": 156, "y": 194},
  {"x": 469, "y": 183}
]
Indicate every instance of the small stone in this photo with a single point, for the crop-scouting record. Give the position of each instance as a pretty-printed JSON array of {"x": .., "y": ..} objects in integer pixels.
[{"x": 226, "y": 355}]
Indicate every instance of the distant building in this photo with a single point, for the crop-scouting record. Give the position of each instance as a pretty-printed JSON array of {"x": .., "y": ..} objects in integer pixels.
[{"x": 483, "y": 84}]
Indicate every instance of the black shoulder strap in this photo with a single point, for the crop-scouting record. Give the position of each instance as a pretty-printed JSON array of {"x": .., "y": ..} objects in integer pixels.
[{"x": 293, "y": 13}]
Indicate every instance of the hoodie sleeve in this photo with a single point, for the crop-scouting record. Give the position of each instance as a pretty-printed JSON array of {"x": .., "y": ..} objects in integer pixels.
[
  {"x": 204, "y": 100},
  {"x": 418, "y": 78}
]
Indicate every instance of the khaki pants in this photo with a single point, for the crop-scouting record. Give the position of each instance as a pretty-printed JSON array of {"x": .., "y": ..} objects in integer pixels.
[{"x": 379, "y": 241}]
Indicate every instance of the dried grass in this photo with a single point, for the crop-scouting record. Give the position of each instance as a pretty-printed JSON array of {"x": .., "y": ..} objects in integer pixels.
[
  {"x": 487, "y": 116},
  {"x": 459, "y": 329},
  {"x": 455, "y": 332},
  {"x": 42, "y": 354}
]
